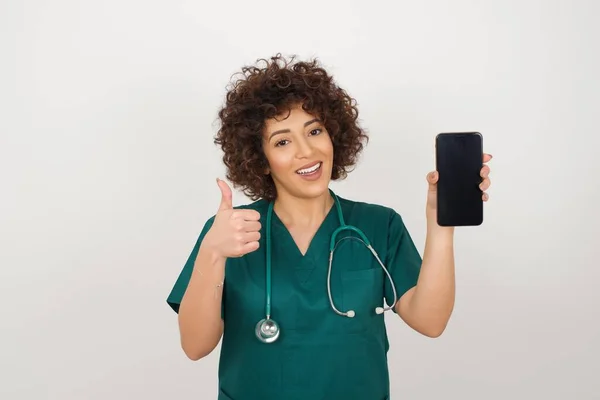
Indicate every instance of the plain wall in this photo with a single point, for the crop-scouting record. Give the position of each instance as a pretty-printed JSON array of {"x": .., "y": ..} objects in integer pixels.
[{"x": 107, "y": 114}]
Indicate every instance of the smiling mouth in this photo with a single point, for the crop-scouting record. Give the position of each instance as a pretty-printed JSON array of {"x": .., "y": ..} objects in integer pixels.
[{"x": 310, "y": 170}]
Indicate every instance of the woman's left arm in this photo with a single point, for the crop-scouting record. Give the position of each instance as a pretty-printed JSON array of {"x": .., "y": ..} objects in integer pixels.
[{"x": 427, "y": 307}]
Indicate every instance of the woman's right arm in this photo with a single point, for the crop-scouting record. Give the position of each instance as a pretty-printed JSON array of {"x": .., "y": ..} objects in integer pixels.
[
  {"x": 234, "y": 233},
  {"x": 200, "y": 323}
]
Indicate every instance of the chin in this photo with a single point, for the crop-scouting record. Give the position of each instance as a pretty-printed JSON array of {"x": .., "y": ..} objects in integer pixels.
[{"x": 312, "y": 192}]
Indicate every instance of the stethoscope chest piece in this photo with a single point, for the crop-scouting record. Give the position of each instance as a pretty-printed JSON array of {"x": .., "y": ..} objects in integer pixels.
[{"x": 267, "y": 330}]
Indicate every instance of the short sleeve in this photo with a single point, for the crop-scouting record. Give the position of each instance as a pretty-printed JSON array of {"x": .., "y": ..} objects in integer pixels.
[
  {"x": 403, "y": 260},
  {"x": 180, "y": 286}
]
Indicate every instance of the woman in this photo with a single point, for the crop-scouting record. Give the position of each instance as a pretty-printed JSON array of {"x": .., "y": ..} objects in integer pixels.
[{"x": 286, "y": 131}]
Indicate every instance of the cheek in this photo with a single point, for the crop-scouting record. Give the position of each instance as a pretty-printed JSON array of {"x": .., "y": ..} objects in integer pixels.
[
  {"x": 326, "y": 147},
  {"x": 279, "y": 161}
]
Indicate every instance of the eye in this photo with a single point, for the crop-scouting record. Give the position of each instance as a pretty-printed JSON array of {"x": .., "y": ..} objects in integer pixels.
[
  {"x": 281, "y": 143},
  {"x": 316, "y": 131}
]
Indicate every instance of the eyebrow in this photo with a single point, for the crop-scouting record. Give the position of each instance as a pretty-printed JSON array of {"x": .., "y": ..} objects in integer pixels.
[{"x": 307, "y": 123}]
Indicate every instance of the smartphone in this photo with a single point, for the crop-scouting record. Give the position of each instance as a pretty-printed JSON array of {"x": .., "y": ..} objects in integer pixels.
[{"x": 459, "y": 159}]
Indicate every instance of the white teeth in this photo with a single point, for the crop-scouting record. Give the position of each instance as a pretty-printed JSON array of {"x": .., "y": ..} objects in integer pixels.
[{"x": 309, "y": 170}]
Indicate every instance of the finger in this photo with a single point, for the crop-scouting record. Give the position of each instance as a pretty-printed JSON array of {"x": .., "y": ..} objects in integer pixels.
[
  {"x": 251, "y": 237},
  {"x": 242, "y": 227},
  {"x": 226, "y": 196},
  {"x": 246, "y": 215},
  {"x": 487, "y": 157},
  {"x": 432, "y": 177},
  {"x": 251, "y": 226},
  {"x": 485, "y": 184},
  {"x": 485, "y": 171},
  {"x": 249, "y": 247},
  {"x": 485, "y": 197}
]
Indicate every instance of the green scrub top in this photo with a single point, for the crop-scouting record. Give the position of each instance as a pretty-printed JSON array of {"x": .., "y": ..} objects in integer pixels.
[{"x": 319, "y": 354}]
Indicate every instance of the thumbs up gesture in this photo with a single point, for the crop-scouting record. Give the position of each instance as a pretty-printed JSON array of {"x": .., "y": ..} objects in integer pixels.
[{"x": 234, "y": 233}]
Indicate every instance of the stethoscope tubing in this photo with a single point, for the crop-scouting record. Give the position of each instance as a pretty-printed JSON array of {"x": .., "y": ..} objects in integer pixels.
[{"x": 267, "y": 330}]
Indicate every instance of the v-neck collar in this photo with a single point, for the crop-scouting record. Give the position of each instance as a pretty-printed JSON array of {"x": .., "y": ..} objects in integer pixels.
[{"x": 321, "y": 235}]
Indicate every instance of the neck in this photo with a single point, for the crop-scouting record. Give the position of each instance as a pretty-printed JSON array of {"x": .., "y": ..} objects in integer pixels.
[{"x": 302, "y": 212}]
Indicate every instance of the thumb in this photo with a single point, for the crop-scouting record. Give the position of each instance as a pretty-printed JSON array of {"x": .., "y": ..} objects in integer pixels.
[{"x": 226, "y": 196}]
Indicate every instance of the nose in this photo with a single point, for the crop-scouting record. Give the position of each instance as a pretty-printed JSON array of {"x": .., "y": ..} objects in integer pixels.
[{"x": 304, "y": 149}]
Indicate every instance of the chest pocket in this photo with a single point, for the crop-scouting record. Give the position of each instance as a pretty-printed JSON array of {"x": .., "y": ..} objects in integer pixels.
[
  {"x": 362, "y": 292},
  {"x": 361, "y": 284}
]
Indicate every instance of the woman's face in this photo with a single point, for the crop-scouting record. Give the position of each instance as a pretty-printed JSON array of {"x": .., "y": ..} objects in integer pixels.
[{"x": 300, "y": 154}]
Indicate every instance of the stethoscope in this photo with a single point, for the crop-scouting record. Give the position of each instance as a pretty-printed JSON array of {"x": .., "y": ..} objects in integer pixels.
[{"x": 267, "y": 330}]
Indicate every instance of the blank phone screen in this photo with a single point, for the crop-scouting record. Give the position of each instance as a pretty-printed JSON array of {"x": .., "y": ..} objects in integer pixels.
[{"x": 459, "y": 158}]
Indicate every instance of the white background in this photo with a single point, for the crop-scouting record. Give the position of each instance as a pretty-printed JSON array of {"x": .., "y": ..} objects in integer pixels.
[{"x": 107, "y": 113}]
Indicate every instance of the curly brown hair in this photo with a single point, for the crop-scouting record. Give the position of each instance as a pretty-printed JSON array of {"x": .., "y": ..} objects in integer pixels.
[{"x": 264, "y": 93}]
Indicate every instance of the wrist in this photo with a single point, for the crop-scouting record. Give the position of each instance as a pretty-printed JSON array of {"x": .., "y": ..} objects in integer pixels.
[
  {"x": 436, "y": 230},
  {"x": 440, "y": 232},
  {"x": 211, "y": 255}
]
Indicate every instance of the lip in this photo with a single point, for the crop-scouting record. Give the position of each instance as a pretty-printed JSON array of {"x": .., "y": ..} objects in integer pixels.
[{"x": 312, "y": 164}]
